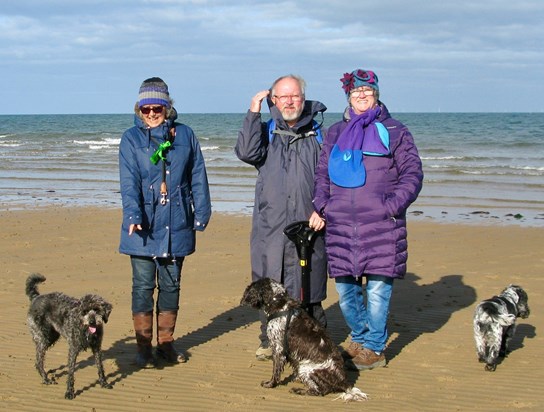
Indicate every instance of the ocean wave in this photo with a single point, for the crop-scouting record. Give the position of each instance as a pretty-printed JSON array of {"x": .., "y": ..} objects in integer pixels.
[
  {"x": 486, "y": 172},
  {"x": 110, "y": 141},
  {"x": 535, "y": 157},
  {"x": 103, "y": 147},
  {"x": 445, "y": 158},
  {"x": 530, "y": 168}
]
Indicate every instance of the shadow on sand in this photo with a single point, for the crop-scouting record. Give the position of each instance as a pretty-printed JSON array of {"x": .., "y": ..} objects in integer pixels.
[{"x": 415, "y": 309}]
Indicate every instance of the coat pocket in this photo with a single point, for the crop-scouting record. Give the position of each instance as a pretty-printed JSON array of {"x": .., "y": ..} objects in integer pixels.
[
  {"x": 182, "y": 211},
  {"x": 150, "y": 202}
]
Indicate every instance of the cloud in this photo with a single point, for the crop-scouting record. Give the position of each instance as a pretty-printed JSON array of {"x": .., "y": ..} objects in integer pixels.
[{"x": 217, "y": 54}]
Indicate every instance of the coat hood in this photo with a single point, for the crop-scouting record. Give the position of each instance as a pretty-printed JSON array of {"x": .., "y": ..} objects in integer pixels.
[{"x": 310, "y": 110}]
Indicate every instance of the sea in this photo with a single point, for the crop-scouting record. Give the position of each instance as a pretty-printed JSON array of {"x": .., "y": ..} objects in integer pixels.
[{"x": 484, "y": 168}]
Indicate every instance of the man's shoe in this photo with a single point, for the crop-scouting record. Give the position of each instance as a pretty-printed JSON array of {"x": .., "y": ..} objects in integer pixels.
[
  {"x": 352, "y": 350},
  {"x": 367, "y": 359},
  {"x": 263, "y": 353}
]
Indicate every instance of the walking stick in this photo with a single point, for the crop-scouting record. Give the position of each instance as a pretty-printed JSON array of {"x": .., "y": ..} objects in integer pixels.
[{"x": 302, "y": 235}]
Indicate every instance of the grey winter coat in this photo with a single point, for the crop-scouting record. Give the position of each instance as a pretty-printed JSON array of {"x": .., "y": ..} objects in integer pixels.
[
  {"x": 366, "y": 226},
  {"x": 283, "y": 195},
  {"x": 168, "y": 230}
]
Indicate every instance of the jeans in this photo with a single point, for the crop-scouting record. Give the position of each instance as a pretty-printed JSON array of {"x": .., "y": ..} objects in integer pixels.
[
  {"x": 368, "y": 323},
  {"x": 148, "y": 273}
]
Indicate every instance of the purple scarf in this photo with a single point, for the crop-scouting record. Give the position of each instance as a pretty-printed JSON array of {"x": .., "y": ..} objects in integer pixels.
[
  {"x": 358, "y": 136},
  {"x": 361, "y": 136}
]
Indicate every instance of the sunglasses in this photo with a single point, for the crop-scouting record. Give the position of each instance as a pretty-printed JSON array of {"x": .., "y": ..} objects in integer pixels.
[{"x": 155, "y": 109}]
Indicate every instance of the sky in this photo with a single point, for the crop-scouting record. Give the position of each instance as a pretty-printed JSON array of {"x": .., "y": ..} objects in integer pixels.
[{"x": 83, "y": 56}]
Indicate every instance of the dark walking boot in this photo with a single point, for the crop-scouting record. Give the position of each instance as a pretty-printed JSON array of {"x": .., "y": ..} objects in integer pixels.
[
  {"x": 143, "y": 328},
  {"x": 166, "y": 323}
]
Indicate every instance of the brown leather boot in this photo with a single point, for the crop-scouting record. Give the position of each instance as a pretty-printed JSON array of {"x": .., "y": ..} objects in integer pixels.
[
  {"x": 166, "y": 323},
  {"x": 352, "y": 350},
  {"x": 367, "y": 359},
  {"x": 143, "y": 328}
]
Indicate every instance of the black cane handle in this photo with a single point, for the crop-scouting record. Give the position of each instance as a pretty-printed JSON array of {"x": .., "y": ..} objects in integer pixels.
[{"x": 300, "y": 232}]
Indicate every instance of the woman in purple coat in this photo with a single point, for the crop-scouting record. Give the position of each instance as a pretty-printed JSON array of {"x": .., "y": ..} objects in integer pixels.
[{"x": 368, "y": 174}]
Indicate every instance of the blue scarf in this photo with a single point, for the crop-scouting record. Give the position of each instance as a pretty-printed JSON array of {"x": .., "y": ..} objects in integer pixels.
[{"x": 362, "y": 136}]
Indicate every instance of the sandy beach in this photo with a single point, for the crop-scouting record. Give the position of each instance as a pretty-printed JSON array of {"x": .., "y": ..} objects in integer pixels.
[{"x": 432, "y": 362}]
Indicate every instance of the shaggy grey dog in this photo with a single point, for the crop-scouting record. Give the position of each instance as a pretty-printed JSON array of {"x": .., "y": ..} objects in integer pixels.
[
  {"x": 495, "y": 324},
  {"x": 297, "y": 338},
  {"x": 79, "y": 321}
]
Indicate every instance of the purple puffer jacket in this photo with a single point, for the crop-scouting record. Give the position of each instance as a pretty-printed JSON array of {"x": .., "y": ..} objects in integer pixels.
[{"x": 366, "y": 226}]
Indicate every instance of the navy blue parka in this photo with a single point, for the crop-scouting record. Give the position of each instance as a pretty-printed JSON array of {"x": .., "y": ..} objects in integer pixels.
[{"x": 167, "y": 230}]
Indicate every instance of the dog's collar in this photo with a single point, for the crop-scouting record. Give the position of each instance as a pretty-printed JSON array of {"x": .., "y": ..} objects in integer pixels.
[{"x": 276, "y": 315}]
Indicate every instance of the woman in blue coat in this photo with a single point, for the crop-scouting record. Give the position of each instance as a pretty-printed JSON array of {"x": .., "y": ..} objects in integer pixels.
[
  {"x": 369, "y": 172},
  {"x": 166, "y": 198}
]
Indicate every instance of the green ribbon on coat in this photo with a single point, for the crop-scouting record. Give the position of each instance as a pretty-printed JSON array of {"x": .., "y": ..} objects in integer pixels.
[{"x": 160, "y": 153}]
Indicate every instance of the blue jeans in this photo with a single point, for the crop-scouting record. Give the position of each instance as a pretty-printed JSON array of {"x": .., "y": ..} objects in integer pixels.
[
  {"x": 148, "y": 273},
  {"x": 368, "y": 323}
]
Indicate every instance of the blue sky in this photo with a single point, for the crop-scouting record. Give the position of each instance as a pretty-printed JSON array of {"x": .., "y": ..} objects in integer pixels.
[{"x": 66, "y": 56}]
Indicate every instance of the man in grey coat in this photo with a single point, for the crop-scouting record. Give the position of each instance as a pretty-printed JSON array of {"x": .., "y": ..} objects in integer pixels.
[{"x": 285, "y": 151}]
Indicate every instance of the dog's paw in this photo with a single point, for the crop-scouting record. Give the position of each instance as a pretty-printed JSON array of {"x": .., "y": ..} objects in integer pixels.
[
  {"x": 268, "y": 384},
  {"x": 299, "y": 391},
  {"x": 49, "y": 381},
  {"x": 490, "y": 368},
  {"x": 106, "y": 385},
  {"x": 69, "y": 395},
  {"x": 306, "y": 392}
]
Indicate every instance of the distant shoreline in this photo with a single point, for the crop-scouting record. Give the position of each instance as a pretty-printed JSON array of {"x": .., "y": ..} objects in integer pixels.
[{"x": 452, "y": 216}]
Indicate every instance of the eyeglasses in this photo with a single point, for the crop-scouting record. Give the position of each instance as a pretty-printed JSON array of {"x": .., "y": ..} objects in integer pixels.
[
  {"x": 155, "y": 109},
  {"x": 284, "y": 99},
  {"x": 358, "y": 92}
]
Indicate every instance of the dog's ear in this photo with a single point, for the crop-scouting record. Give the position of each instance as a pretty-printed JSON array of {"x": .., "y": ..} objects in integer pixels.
[
  {"x": 521, "y": 292},
  {"x": 523, "y": 303},
  {"x": 252, "y": 296},
  {"x": 106, "y": 310}
]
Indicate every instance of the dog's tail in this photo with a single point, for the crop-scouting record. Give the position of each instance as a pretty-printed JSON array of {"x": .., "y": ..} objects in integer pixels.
[
  {"x": 352, "y": 394},
  {"x": 32, "y": 285}
]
